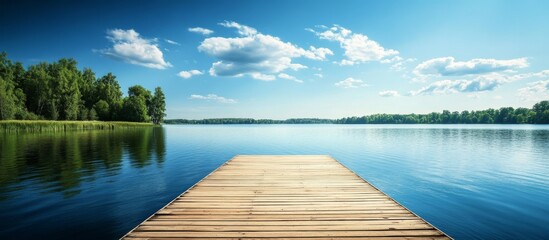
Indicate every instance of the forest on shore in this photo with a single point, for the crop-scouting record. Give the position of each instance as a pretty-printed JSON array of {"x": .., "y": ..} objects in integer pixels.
[
  {"x": 538, "y": 114},
  {"x": 60, "y": 91}
]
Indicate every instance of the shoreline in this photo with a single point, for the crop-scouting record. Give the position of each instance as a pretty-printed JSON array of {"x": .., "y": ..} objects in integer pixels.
[{"x": 58, "y": 126}]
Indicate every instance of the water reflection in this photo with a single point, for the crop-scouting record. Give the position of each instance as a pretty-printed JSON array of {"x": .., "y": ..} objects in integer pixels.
[
  {"x": 60, "y": 162},
  {"x": 471, "y": 181}
]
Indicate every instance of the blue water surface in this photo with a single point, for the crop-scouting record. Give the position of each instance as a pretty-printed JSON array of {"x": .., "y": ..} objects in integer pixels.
[{"x": 470, "y": 181}]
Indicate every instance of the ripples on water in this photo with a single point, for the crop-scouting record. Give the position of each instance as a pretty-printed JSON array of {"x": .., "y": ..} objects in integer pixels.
[{"x": 471, "y": 181}]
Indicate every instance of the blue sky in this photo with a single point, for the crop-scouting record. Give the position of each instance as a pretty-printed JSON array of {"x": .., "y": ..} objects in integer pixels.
[{"x": 284, "y": 59}]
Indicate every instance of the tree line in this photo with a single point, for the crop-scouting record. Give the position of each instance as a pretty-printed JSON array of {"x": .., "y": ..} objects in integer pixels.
[
  {"x": 60, "y": 91},
  {"x": 538, "y": 114},
  {"x": 249, "y": 121}
]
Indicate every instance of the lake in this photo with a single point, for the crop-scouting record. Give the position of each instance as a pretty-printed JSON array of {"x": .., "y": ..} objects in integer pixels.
[{"x": 470, "y": 181}]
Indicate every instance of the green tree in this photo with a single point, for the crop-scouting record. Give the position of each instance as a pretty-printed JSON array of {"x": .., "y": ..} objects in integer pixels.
[
  {"x": 140, "y": 91},
  {"x": 20, "y": 97},
  {"x": 157, "y": 106},
  {"x": 101, "y": 108},
  {"x": 7, "y": 101},
  {"x": 83, "y": 114},
  {"x": 465, "y": 117},
  {"x": 108, "y": 90},
  {"x": 445, "y": 117},
  {"x": 92, "y": 115},
  {"x": 135, "y": 109},
  {"x": 60, "y": 91},
  {"x": 505, "y": 115},
  {"x": 12, "y": 98},
  {"x": 87, "y": 88},
  {"x": 485, "y": 117},
  {"x": 36, "y": 85},
  {"x": 541, "y": 110},
  {"x": 66, "y": 94}
]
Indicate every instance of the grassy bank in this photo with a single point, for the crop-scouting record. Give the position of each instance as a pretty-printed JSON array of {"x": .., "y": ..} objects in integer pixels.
[{"x": 59, "y": 126}]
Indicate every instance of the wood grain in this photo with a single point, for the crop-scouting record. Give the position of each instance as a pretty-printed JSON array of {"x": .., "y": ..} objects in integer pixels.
[{"x": 284, "y": 197}]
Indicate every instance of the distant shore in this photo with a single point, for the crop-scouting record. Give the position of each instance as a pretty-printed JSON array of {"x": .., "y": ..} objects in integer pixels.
[
  {"x": 538, "y": 114},
  {"x": 60, "y": 126},
  {"x": 243, "y": 121}
]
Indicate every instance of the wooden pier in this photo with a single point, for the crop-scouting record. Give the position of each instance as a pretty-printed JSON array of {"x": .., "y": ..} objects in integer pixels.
[{"x": 284, "y": 197}]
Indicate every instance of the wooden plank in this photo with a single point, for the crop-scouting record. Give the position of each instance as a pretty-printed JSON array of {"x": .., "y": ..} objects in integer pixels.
[
  {"x": 284, "y": 228},
  {"x": 375, "y": 233},
  {"x": 284, "y": 197},
  {"x": 278, "y": 223}
]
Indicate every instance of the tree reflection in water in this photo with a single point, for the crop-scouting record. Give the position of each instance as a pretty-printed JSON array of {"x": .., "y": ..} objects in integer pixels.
[{"x": 61, "y": 161}]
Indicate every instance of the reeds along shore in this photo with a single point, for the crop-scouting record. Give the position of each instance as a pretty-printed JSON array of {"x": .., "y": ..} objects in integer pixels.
[{"x": 60, "y": 126}]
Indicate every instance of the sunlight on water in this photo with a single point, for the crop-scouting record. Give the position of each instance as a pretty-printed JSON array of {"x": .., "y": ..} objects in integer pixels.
[{"x": 471, "y": 181}]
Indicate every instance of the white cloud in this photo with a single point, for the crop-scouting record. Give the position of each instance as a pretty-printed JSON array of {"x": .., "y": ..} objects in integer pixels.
[
  {"x": 288, "y": 77},
  {"x": 130, "y": 47},
  {"x": 541, "y": 74},
  {"x": 389, "y": 93},
  {"x": 544, "y": 73},
  {"x": 459, "y": 86},
  {"x": 345, "y": 62},
  {"x": 200, "y": 30},
  {"x": 242, "y": 29},
  {"x": 447, "y": 66},
  {"x": 399, "y": 64},
  {"x": 319, "y": 75},
  {"x": 254, "y": 53},
  {"x": 535, "y": 91},
  {"x": 358, "y": 47},
  {"x": 172, "y": 42},
  {"x": 485, "y": 82},
  {"x": 213, "y": 97},
  {"x": 503, "y": 77},
  {"x": 351, "y": 83},
  {"x": 392, "y": 60},
  {"x": 263, "y": 77},
  {"x": 317, "y": 53},
  {"x": 189, "y": 74}
]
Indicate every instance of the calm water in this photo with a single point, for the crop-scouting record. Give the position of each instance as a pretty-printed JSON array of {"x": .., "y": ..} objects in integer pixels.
[{"x": 480, "y": 181}]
